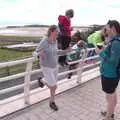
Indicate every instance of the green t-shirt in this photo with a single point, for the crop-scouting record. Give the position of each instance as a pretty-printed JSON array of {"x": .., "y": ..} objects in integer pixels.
[
  {"x": 95, "y": 38},
  {"x": 75, "y": 55}
]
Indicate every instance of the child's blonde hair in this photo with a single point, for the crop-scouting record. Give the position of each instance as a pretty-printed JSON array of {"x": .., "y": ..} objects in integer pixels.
[{"x": 81, "y": 44}]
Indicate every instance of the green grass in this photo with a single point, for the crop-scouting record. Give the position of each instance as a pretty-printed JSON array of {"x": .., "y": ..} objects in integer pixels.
[
  {"x": 10, "y": 54},
  {"x": 10, "y": 40},
  {"x": 6, "y": 55},
  {"x": 7, "y": 71}
]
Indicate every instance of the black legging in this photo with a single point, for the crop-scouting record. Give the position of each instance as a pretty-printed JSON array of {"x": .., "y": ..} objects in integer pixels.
[{"x": 63, "y": 42}]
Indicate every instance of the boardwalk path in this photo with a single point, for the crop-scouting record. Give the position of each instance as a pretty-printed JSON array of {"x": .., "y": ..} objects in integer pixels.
[{"x": 80, "y": 103}]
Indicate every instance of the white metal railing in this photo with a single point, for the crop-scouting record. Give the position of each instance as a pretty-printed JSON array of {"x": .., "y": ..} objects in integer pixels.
[{"x": 27, "y": 74}]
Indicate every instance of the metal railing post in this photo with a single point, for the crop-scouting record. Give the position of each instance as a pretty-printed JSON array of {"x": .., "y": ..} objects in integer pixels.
[
  {"x": 27, "y": 82},
  {"x": 80, "y": 66}
]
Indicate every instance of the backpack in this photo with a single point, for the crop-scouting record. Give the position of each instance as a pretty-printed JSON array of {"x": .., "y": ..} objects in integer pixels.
[
  {"x": 75, "y": 55},
  {"x": 118, "y": 67}
]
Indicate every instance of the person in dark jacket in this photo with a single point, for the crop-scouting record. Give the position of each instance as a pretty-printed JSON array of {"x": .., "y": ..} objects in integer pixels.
[
  {"x": 64, "y": 39},
  {"x": 110, "y": 61}
]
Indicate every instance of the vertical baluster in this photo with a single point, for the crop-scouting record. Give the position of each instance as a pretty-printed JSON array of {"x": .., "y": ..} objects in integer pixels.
[{"x": 27, "y": 82}]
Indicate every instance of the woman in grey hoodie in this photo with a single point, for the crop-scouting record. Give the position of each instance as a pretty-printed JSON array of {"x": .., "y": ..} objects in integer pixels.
[{"x": 47, "y": 52}]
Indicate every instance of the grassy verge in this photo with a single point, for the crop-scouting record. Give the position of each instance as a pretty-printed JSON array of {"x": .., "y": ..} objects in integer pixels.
[
  {"x": 14, "y": 55},
  {"x": 10, "y": 40},
  {"x": 6, "y": 55},
  {"x": 7, "y": 71}
]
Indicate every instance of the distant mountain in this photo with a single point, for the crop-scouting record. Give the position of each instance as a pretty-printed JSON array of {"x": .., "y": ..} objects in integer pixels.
[
  {"x": 36, "y": 25},
  {"x": 13, "y": 26},
  {"x": 32, "y": 25}
]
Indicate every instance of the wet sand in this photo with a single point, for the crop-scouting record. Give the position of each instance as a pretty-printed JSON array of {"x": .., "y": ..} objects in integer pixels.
[{"x": 24, "y": 31}]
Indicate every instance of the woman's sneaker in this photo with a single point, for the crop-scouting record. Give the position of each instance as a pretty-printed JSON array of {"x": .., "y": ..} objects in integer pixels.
[{"x": 53, "y": 106}]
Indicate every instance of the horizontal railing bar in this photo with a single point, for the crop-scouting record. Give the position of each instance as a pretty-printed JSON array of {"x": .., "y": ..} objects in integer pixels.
[
  {"x": 90, "y": 65},
  {"x": 6, "y": 90},
  {"x": 13, "y": 77},
  {"x": 18, "y": 75},
  {"x": 67, "y": 72},
  {"x": 22, "y": 85},
  {"x": 93, "y": 57},
  {"x": 80, "y": 60},
  {"x": 3, "y": 91},
  {"x": 91, "y": 71},
  {"x": 14, "y": 98},
  {"x": 11, "y": 63},
  {"x": 11, "y": 99},
  {"x": 90, "y": 49}
]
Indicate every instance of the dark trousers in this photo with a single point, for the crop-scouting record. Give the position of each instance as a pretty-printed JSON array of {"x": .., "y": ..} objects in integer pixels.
[
  {"x": 71, "y": 67},
  {"x": 92, "y": 52},
  {"x": 63, "y": 43}
]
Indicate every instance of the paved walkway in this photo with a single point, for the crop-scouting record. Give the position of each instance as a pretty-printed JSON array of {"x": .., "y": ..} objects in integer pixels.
[{"x": 83, "y": 102}]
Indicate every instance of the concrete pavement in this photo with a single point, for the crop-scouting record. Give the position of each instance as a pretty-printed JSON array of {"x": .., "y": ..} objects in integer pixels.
[{"x": 83, "y": 102}]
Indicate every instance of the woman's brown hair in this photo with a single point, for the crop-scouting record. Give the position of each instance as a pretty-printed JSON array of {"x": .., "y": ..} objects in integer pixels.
[
  {"x": 69, "y": 13},
  {"x": 115, "y": 24},
  {"x": 52, "y": 28}
]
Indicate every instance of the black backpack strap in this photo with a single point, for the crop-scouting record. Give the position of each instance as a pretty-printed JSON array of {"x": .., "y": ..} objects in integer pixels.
[{"x": 117, "y": 38}]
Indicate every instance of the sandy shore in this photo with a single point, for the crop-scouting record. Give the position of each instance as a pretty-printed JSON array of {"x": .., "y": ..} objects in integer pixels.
[
  {"x": 30, "y": 31},
  {"x": 27, "y": 31}
]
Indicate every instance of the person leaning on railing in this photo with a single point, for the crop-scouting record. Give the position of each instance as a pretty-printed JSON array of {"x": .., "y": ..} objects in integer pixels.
[
  {"x": 98, "y": 37},
  {"x": 77, "y": 46},
  {"x": 64, "y": 37}
]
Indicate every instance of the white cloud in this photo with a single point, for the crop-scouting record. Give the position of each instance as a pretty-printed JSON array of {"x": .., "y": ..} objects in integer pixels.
[{"x": 47, "y": 11}]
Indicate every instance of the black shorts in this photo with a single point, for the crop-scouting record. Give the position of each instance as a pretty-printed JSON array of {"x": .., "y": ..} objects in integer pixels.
[
  {"x": 109, "y": 85},
  {"x": 64, "y": 42}
]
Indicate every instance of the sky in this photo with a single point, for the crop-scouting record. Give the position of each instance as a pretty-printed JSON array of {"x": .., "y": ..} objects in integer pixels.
[{"x": 87, "y": 12}]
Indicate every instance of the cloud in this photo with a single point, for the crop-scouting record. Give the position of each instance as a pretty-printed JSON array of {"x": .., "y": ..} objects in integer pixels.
[{"x": 47, "y": 11}]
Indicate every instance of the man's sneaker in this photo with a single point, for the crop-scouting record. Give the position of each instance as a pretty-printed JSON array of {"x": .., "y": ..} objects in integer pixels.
[
  {"x": 104, "y": 114},
  {"x": 53, "y": 106},
  {"x": 40, "y": 82}
]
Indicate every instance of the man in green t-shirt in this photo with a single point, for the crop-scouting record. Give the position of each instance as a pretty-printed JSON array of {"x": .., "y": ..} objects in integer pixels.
[{"x": 95, "y": 38}]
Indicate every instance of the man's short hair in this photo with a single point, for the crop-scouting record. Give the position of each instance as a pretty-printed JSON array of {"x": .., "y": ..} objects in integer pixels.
[{"x": 69, "y": 13}]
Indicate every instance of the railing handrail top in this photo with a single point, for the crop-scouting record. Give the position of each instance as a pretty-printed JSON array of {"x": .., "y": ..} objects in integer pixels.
[{"x": 10, "y": 63}]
